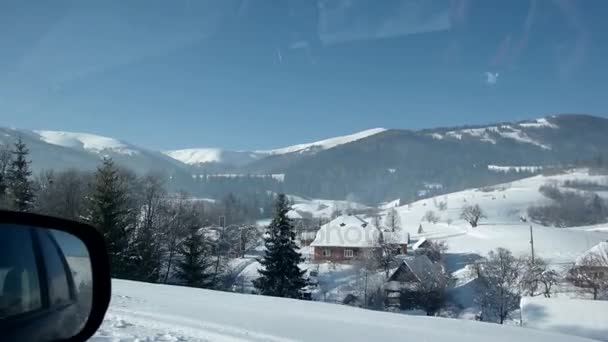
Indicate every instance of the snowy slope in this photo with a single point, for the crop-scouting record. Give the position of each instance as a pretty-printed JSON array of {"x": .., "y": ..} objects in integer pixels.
[
  {"x": 504, "y": 205},
  {"x": 326, "y": 143},
  {"x": 195, "y": 156},
  {"x": 322, "y": 208},
  {"x": 491, "y": 134},
  {"x": 579, "y": 317},
  {"x": 86, "y": 141},
  {"x": 150, "y": 312}
]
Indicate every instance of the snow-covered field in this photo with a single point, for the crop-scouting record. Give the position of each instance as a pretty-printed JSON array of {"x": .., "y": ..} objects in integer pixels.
[
  {"x": 580, "y": 317},
  {"x": 148, "y": 312},
  {"x": 504, "y": 206},
  {"x": 151, "y": 312}
]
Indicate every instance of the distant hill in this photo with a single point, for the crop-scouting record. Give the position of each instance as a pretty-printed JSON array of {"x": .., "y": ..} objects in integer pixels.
[{"x": 369, "y": 167}]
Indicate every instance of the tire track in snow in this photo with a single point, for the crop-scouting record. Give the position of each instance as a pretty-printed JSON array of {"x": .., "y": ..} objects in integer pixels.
[{"x": 123, "y": 325}]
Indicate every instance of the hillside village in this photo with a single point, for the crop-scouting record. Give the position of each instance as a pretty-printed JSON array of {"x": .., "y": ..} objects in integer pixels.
[
  {"x": 442, "y": 250},
  {"x": 441, "y": 255}
]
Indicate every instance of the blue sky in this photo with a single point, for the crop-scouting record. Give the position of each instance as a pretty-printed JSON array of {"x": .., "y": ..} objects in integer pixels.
[{"x": 260, "y": 74}]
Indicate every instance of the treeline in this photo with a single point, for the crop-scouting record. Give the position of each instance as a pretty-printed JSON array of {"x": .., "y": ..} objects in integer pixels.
[
  {"x": 569, "y": 208},
  {"x": 151, "y": 235}
]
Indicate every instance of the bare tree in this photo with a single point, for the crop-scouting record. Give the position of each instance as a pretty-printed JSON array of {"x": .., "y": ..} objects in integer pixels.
[
  {"x": 590, "y": 275},
  {"x": 537, "y": 277},
  {"x": 367, "y": 265},
  {"x": 472, "y": 214},
  {"x": 434, "y": 250},
  {"x": 181, "y": 216},
  {"x": 385, "y": 257},
  {"x": 393, "y": 220},
  {"x": 499, "y": 290},
  {"x": 430, "y": 217},
  {"x": 148, "y": 236},
  {"x": 64, "y": 193}
]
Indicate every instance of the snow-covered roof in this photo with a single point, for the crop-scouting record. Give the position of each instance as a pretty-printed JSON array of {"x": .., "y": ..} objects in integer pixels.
[
  {"x": 422, "y": 267},
  {"x": 600, "y": 251},
  {"x": 308, "y": 235},
  {"x": 419, "y": 243},
  {"x": 398, "y": 237},
  {"x": 293, "y": 214},
  {"x": 347, "y": 231}
]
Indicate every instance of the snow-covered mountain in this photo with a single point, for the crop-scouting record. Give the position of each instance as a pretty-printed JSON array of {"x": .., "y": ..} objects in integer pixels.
[
  {"x": 86, "y": 142},
  {"x": 62, "y": 150},
  {"x": 325, "y": 144},
  {"x": 370, "y": 167},
  {"x": 195, "y": 156}
]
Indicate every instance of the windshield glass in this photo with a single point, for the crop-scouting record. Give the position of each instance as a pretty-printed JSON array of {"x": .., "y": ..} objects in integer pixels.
[{"x": 423, "y": 157}]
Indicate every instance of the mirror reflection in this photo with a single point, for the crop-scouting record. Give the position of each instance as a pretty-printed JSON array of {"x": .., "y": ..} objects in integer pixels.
[{"x": 45, "y": 272}]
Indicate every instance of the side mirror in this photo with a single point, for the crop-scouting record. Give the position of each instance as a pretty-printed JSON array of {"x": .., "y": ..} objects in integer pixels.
[{"x": 54, "y": 279}]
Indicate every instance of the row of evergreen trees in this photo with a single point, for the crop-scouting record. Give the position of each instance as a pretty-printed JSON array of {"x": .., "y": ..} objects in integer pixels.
[{"x": 150, "y": 235}]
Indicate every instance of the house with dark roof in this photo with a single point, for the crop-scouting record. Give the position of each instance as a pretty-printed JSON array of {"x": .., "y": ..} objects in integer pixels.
[{"x": 415, "y": 274}]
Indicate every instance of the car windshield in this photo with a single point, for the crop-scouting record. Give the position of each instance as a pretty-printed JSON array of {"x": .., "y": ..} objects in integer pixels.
[{"x": 392, "y": 158}]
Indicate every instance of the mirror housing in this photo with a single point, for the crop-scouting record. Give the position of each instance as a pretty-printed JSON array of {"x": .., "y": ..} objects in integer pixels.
[{"x": 89, "y": 237}]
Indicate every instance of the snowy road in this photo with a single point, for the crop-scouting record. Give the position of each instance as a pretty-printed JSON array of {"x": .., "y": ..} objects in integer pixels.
[{"x": 150, "y": 312}]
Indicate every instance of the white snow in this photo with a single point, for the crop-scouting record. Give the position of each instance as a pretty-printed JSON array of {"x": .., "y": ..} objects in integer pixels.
[
  {"x": 418, "y": 243},
  {"x": 294, "y": 215},
  {"x": 490, "y": 133},
  {"x": 193, "y": 156},
  {"x": 322, "y": 208},
  {"x": 504, "y": 204},
  {"x": 347, "y": 231},
  {"x": 280, "y": 177},
  {"x": 600, "y": 251},
  {"x": 505, "y": 169},
  {"x": 539, "y": 123},
  {"x": 390, "y": 204},
  {"x": 85, "y": 141},
  {"x": 152, "y": 312},
  {"x": 578, "y": 317},
  {"x": 523, "y": 137},
  {"x": 325, "y": 144}
]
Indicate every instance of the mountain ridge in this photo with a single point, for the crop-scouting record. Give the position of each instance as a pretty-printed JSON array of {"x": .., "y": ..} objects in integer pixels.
[{"x": 369, "y": 166}]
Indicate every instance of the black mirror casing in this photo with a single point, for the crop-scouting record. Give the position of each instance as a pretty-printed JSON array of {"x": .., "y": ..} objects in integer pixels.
[{"x": 100, "y": 271}]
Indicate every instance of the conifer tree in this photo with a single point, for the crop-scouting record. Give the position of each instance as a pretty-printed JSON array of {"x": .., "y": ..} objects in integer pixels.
[
  {"x": 196, "y": 261},
  {"x": 111, "y": 213},
  {"x": 20, "y": 186},
  {"x": 281, "y": 276}
]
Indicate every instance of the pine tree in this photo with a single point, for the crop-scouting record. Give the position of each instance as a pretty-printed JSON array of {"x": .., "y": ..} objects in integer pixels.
[
  {"x": 20, "y": 187},
  {"x": 196, "y": 261},
  {"x": 5, "y": 158},
  {"x": 110, "y": 212},
  {"x": 281, "y": 276},
  {"x": 420, "y": 230}
]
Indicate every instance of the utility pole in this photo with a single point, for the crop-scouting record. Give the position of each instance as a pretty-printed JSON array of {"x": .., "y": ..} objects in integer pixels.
[{"x": 532, "y": 243}]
